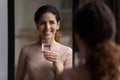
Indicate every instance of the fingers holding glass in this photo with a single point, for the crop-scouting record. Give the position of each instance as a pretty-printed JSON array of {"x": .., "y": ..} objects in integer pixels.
[{"x": 51, "y": 56}]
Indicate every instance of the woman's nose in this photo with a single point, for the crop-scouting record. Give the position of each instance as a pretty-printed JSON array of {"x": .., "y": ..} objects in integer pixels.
[{"x": 47, "y": 25}]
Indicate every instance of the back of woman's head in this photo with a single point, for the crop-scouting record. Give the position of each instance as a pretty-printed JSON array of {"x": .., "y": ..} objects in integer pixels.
[{"x": 94, "y": 22}]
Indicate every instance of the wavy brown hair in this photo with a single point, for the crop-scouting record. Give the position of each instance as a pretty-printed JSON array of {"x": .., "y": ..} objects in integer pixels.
[{"x": 104, "y": 61}]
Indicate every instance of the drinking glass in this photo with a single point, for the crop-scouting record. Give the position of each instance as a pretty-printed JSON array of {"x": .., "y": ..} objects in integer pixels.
[{"x": 45, "y": 47}]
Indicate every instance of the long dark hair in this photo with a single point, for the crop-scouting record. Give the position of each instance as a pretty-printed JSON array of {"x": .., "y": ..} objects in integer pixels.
[
  {"x": 95, "y": 24},
  {"x": 48, "y": 8}
]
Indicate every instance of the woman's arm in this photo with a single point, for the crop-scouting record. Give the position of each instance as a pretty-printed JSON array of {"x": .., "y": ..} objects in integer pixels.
[
  {"x": 21, "y": 68},
  {"x": 59, "y": 67},
  {"x": 53, "y": 56},
  {"x": 68, "y": 63}
]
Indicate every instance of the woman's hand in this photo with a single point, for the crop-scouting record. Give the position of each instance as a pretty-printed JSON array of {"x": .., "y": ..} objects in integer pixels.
[{"x": 53, "y": 56}]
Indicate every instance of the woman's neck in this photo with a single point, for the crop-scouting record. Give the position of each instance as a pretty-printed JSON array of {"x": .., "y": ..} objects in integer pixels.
[{"x": 49, "y": 41}]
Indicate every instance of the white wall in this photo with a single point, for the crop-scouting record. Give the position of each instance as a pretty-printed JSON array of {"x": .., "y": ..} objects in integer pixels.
[{"x": 3, "y": 40}]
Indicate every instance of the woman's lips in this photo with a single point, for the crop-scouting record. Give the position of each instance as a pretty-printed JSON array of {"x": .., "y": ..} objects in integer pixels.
[{"x": 47, "y": 32}]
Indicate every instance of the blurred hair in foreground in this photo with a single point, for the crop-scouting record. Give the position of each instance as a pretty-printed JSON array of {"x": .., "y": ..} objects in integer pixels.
[{"x": 94, "y": 34}]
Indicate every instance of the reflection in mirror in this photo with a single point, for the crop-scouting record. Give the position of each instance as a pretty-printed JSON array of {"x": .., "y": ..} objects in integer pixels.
[{"x": 25, "y": 27}]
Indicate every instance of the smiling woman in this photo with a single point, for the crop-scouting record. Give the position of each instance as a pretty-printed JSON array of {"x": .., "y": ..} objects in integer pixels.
[
  {"x": 31, "y": 65},
  {"x": 25, "y": 28},
  {"x": 49, "y": 22}
]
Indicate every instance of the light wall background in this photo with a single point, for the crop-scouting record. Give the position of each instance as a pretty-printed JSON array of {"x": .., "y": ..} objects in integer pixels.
[
  {"x": 3, "y": 40},
  {"x": 25, "y": 29}
]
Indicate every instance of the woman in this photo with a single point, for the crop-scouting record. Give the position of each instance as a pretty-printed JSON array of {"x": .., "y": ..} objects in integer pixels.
[
  {"x": 30, "y": 65},
  {"x": 95, "y": 30}
]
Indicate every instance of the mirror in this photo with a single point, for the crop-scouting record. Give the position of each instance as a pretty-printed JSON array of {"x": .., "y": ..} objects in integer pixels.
[{"x": 25, "y": 28}]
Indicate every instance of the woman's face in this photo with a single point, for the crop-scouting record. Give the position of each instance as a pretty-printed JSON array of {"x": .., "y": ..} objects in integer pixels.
[{"x": 48, "y": 25}]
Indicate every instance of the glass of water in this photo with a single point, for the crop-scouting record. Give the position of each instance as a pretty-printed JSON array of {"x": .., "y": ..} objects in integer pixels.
[{"x": 45, "y": 47}]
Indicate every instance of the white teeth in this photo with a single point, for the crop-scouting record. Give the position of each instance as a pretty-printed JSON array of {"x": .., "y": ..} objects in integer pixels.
[{"x": 48, "y": 32}]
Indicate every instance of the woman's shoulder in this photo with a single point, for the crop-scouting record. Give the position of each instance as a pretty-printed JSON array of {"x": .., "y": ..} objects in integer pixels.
[
  {"x": 64, "y": 47},
  {"x": 28, "y": 47}
]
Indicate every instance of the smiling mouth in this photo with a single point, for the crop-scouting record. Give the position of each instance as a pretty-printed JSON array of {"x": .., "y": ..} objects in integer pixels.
[{"x": 47, "y": 33}]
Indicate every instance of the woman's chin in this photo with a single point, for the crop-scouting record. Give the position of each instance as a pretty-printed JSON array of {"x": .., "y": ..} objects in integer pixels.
[{"x": 47, "y": 37}]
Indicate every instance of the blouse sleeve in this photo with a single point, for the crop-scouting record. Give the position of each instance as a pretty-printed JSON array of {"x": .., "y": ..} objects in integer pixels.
[
  {"x": 21, "y": 67},
  {"x": 69, "y": 59}
]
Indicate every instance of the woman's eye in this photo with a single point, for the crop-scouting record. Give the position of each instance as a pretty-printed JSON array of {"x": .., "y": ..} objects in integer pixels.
[
  {"x": 41, "y": 23},
  {"x": 52, "y": 22}
]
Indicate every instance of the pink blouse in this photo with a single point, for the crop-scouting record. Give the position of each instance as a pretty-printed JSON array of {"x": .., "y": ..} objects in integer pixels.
[{"x": 35, "y": 68}]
